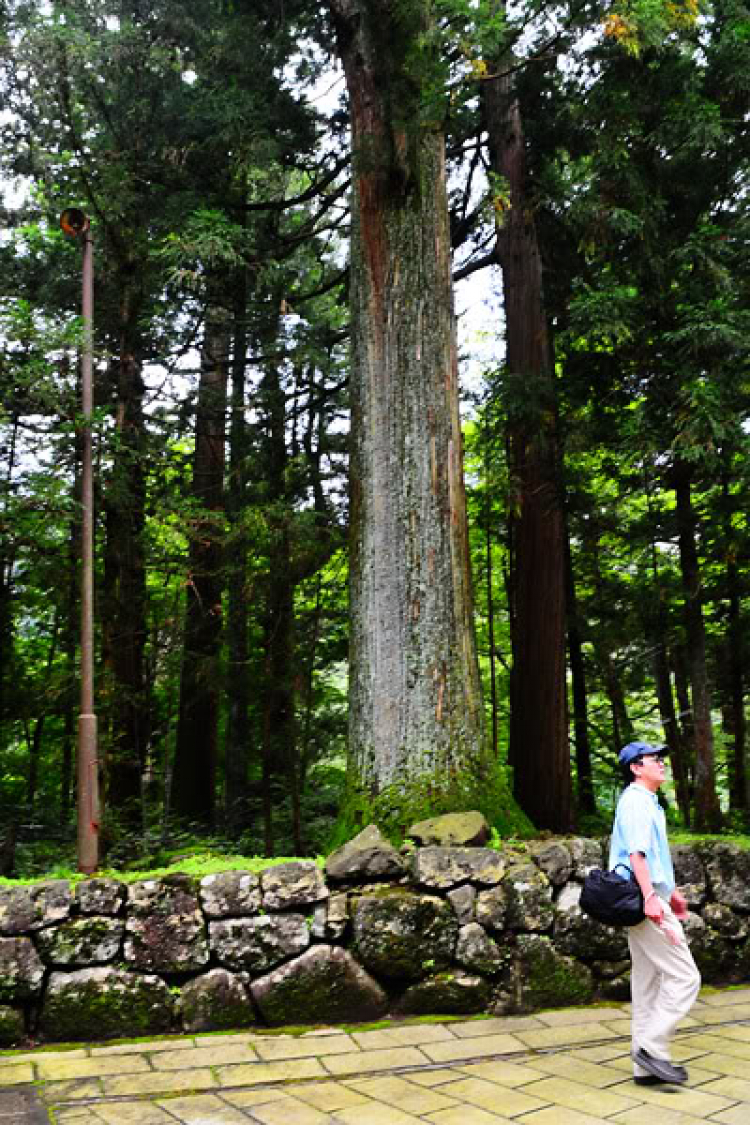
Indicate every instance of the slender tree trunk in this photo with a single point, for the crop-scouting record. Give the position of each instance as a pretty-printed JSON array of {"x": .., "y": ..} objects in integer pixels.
[
  {"x": 586, "y": 800},
  {"x": 194, "y": 776},
  {"x": 736, "y": 724},
  {"x": 538, "y": 727},
  {"x": 238, "y": 653},
  {"x": 707, "y": 811},
  {"x": 6, "y": 585},
  {"x": 124, "y": 602},
  {"x": 416, "y": 736},
  {"x": 672, "y": 733}
]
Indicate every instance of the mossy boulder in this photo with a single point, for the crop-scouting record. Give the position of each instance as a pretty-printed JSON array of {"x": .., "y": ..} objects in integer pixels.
[
  {"x": 21, "y": 970},
  {"x": 555, "y": 860},
  {"x": 443, "y": 868},
  {"x": 230, "y": 894},
  {"x": 26, "y": 909},
  {"x": 468, "y": 829},
  {"x": 404, "y": 937},
  {"x": 478, "y": 953},
  {"x": 12, "y": 1029},
  {"x": 578, "y": 935},
  {"x": 445, "y": 994},
  {"x": 324, "y": 984},
  {"x": 690, "y": 874},
  {"x": 105, "y": 1003},
  {"x": 368, "y": 856},
  {"x": 288, "y": 886},
  {"x": 165, "y": 930},
  {"x": 719, "y": 959},
  {"x": 216, "y": 1001},
  {"x": 529, "y": 897},
  {"x": 728, "y": 871},
  {"x": 259, "y": 944},
  {"x": 548, "y": 979},
  {"x": 100, "y": 896},
  {"x": 81, "y": 941}
]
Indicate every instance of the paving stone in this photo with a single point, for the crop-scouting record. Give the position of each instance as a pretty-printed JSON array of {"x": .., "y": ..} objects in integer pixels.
[
  {"x": 59, "y": 1068},
  {"x": 473, "y": 1048},
  {"x": 710, "y": 1044},
  {"x": 737, "y": 1115},
  {"x": 376, "y": 1060},
  {"x": 565, "y": 1036},
  {"x": 559, "y": 1115},
  {"x": 172, "y": 1081},
  {"x": 569, "y": 1017},
  {"x": 407, "y": 1036},
  {"x": 739, "y": 1032},
  {"x": 722, "y": 1064},
  {"x": 35, "y": 1056},
  {"x": 14, "y": 1075},
  {"x": 58, "y": 1092},
  {"x": 505, "y": 1073},
  {"x": 722, "y": 1015},
  {"x": 684, "y": 1100},
  {"x": 473, "y": 1029},
  {"x": 257, "y": 1074},
  {"x": 302, "y": 1046},
  {"x": 726, "y": 999},
  {"x": 19, "y": 1105},
  {"x": 288, "y": 1111},
  {"x": 372, "y": 1114},
  {"x": 644, "y": 1115},
  {"x": 574, "y": 1095},
  {"x": 406, "y": 1095},
  {"x": 204, "y": 1056},
  {"x": 459, "y": 1117},
  {"x": 437, "y": 1076},
  {"x": 133, "y": 1113},
  {"x": 250, "y": 1098},
  {"x": 144, "y": 1047},
  {"x": 588, "y": 1073},
  {"x": 200, "y": 1109},
  {"x": 603, "y": 1053},
  {"x": 495, "y": 1097},
  {"x": 329, "y": 1096}
]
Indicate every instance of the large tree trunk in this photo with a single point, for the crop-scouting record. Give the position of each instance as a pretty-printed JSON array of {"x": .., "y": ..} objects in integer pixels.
[
  {"x": 238, "y": 651},
  {"x": 538, "y": 728},
  {"x": 194, "y": 777},
  {"x": 707, "y": 811},
  {"x": 124, "y": 603},
  {"x": 734, "y": 694},
  {"x": 416, "y": 736},
  {"x": 584, "y": 776}
]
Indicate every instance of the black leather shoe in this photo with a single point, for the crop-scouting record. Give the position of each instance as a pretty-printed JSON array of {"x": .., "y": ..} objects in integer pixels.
[
  {"x": 647, "y": 1080},
  {"x": 661, "y": 1069}
]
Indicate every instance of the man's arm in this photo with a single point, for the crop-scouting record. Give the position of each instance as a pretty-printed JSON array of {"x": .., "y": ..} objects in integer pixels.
[{"x": 651, "y": 902}]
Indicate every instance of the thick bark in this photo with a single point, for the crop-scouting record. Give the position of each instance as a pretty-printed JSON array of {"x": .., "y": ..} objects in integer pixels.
[
  {"x": 538, "y": 728},
  {"x": 734, "y": 708},
  {"x": 707, "y": 811},
  {"x": 194, "y": 776},
  {"x": 585, "y": 794},
  {"x": 416, "y": 724},
  {"x": 124, "y": 601},
  {"x": 238, "y": 652}
]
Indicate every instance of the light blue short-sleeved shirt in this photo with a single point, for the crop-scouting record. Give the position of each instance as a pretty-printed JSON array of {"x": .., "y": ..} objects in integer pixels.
[{"x": 640, "y": 826}]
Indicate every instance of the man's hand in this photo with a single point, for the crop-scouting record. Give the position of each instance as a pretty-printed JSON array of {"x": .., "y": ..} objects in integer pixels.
[
  {"x": 654, "y": 909},
  {"x": 678, "y": 902}
]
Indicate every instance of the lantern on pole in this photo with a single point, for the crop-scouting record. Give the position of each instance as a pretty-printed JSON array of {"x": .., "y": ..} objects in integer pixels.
[{"x": 76, "y": 224}]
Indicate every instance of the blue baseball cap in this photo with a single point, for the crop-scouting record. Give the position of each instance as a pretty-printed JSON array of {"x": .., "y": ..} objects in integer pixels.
[{"x": 637, "y": 750}]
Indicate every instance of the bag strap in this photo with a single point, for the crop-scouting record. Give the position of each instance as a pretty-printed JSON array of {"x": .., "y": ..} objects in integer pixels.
[{"x": 624, "y": 867}]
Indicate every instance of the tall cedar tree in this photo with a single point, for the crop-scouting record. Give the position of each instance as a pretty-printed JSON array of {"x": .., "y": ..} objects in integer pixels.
[{"x": 416, "y": 723}]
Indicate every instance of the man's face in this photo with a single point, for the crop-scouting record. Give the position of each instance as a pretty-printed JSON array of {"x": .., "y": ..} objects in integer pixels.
[{"x": 650, "y": 770}]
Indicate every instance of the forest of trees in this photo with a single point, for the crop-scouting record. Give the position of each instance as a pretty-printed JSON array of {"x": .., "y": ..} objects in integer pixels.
[{"x": 352, "y": 563}]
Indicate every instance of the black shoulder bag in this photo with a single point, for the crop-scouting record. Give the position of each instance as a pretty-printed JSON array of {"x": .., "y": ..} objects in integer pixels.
[{"x": 612, "y": 899}]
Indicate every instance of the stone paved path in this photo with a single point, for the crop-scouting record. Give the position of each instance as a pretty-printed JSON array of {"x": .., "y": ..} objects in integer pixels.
[{"x": 565, "y": 1067}]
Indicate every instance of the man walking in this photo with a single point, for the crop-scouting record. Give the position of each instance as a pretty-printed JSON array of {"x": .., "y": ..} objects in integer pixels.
[{"x": 664, "y": 979}]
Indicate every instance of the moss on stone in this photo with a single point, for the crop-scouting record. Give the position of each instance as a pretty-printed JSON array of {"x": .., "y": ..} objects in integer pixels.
[{"x": 421, "y": 797}]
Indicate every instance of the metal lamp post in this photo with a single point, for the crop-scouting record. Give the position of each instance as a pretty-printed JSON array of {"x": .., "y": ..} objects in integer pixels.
[{"x": 76, "y": 224}]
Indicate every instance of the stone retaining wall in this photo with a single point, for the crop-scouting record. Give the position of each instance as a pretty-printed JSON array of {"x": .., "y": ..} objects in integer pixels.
[{"x": 380, "y": 932}]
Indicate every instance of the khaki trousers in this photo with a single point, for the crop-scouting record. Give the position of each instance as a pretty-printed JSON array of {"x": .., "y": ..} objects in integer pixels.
[{"x": 664, "y": 983}]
